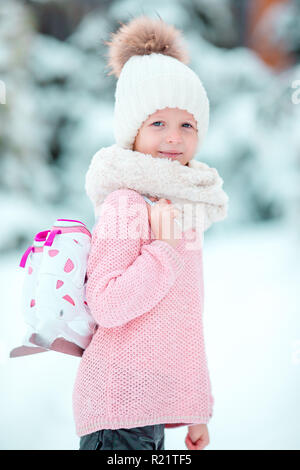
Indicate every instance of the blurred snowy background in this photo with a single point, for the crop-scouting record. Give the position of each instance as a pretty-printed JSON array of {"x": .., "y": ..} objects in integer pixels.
[{"x": 56, "y": 111}]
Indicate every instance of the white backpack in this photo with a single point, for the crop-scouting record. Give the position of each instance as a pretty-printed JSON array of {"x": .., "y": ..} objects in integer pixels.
[{"x": 53, "y": 292}]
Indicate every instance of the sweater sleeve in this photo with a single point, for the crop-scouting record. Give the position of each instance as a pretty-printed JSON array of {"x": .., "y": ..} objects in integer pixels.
[{"x": 125, "y": 278}]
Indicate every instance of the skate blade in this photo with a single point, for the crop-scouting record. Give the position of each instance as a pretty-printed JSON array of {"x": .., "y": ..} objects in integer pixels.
[
  {"x": 66, "y": 347},
  {"x": 58, "y": 345},
  {"x": 26, "y": 351}
]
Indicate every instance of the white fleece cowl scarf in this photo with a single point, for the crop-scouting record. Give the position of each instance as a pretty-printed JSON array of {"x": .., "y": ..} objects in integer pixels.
[{"x": 195, "y": 189}]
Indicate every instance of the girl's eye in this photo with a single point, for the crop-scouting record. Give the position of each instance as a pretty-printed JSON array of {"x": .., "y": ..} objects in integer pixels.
[{"x": 161, "y": 121}]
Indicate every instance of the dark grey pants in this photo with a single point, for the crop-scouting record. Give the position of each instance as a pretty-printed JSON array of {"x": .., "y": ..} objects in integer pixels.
[{"x": 140, "y": 438}]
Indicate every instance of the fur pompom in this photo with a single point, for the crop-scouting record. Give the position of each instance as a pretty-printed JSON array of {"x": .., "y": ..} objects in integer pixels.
[{"x": 143, "y": 36}]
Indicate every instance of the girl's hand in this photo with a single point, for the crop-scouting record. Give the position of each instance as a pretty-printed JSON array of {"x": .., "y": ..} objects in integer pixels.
[
  {"x": 197, "y": 437},
  {"x": 161, "y": 218}
]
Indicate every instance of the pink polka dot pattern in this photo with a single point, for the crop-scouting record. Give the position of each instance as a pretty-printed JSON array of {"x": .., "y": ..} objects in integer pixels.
[
  {"x": 32, "y": 303},
  {"x": 30, "y": 270},
  {"x": 53, "y": 252},
  {"x": 69, "y": 299},
  {"x": 59, "y": 284},
  {"x": 69, "y": 266}
]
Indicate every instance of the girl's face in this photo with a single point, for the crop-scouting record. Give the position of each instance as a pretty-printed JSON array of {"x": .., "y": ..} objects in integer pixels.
[{"x": 170, "y": 130}]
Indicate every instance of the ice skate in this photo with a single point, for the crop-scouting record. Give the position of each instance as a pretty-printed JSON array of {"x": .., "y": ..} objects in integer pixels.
[
  {"x": 62, "y": 311},
  {"x": 53, "y": 297}
]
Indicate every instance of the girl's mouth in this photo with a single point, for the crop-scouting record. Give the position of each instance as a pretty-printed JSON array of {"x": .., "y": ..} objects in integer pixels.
[{"x": 171, "y": 155}]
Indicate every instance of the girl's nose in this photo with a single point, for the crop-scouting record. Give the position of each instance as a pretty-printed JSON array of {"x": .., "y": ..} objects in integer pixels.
[{"x": 174, "y": 138}]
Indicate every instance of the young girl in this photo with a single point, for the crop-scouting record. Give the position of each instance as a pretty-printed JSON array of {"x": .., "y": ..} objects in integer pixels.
[{"x": 145, "y": 369}]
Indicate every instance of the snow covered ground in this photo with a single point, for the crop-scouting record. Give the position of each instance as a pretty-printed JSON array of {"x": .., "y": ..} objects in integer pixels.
[{"x": 252, "y": 332}]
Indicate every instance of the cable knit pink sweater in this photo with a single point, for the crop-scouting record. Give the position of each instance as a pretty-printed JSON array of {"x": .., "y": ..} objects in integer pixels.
[{"x": 146, "y": 363}]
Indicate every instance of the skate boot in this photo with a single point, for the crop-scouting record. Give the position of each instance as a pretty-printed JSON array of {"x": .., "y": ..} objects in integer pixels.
[
  {"x": 64, "y": 322},
  {"x": 31, "y": 261}
]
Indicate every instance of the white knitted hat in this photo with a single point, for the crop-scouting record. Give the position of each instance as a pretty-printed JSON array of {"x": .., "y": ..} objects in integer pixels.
[{"x": 149, "y": 61}]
